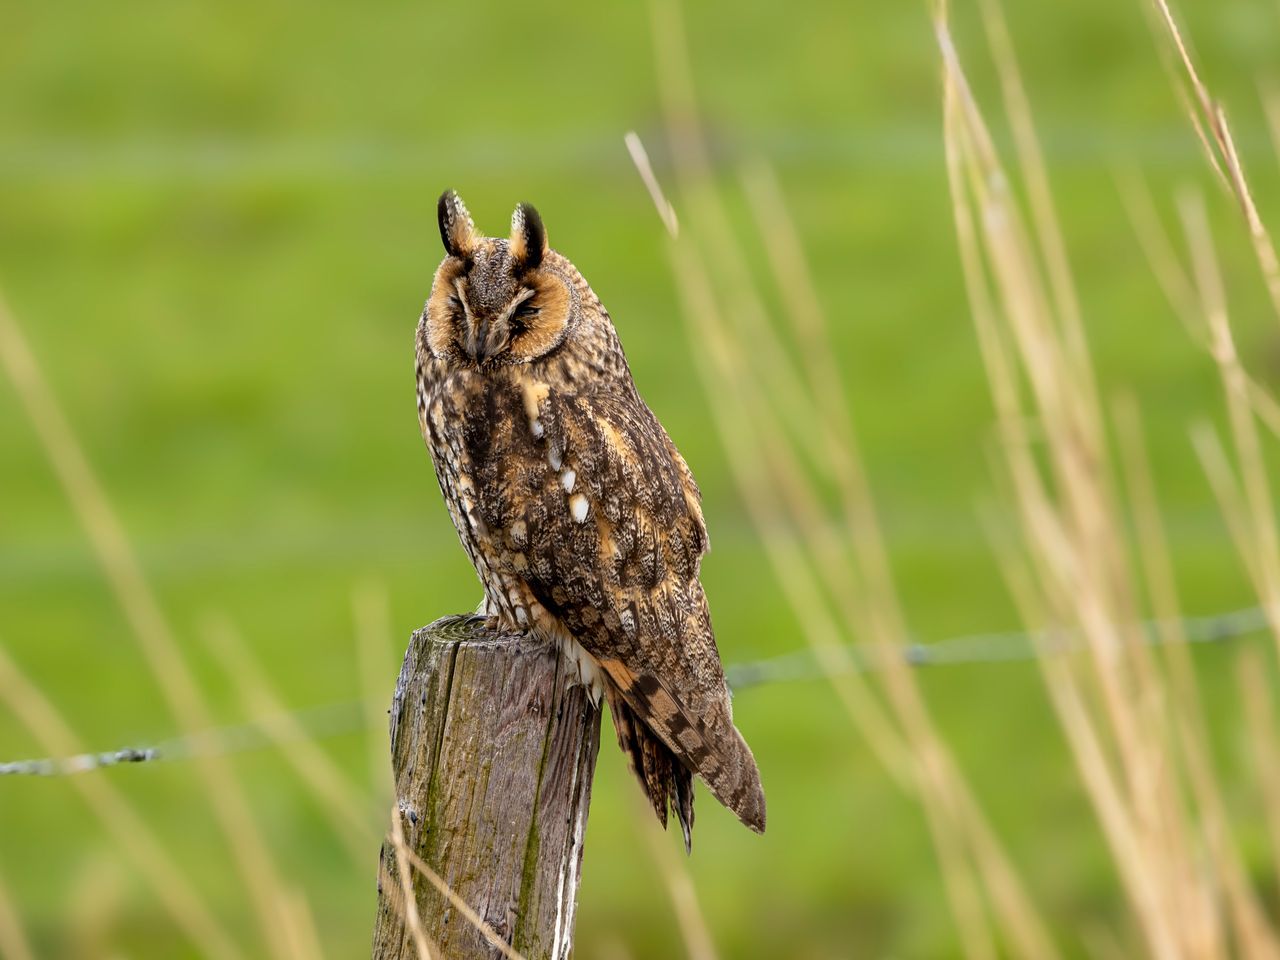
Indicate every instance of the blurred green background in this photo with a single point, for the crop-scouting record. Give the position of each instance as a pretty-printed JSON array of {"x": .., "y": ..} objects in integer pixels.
[{"x": 217, "y": 228}]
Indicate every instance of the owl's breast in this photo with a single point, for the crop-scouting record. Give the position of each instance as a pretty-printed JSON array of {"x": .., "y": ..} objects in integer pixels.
[
  {"x": 568, "y": 503},
  {"x": 491, "y": 467},
  {"x": 475, "y": 427}
]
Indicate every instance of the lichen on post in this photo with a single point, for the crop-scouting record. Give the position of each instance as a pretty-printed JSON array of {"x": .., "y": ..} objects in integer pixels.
[{"x": 493, "y": 749}]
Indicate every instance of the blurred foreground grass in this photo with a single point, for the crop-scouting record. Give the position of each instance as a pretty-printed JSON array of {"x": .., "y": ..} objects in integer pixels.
[{"x": 217, "y": 228}]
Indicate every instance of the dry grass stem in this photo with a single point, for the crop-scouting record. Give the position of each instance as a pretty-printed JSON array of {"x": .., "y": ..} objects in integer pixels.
[
  {"x": 299, "y": 925},
  {"x": 94, "y": 902},
  {"x": 1079, "y": 539},
  {"x": 1044, "y": 215},
  {"x": 798, "y": 579},
  {"x": 819, "y": 629},
  {"x": 1116, "y": 704},
  {"x": 133, "y": 834},
  {"x": 804, "y": 423},
  {"x": 155, "y": 637},
  {"x": 1255, "y": 524},
  {"x": 407, "y": 899},
  {"x": 1161, "y": 257},
  {"x": 1265, "y": 407},
  {"x": 1269, "y": 93},
  {"x": 692, "y": 170},
  {"x": 679, "y": 886},
  {"x": 1260, "y": 717},
  {"x": 1178, "y": 288},
  {"x": 1225, "y": 158},
  {"x": 371, "y": 609},
  {"x": 1060, "y": 535},
  {"x": 343, "y": 804},
  {"x": 14, "y": 944},
  {"x": 1184, "y": 703},
  {"x": 640, "y": 157},
  {"x": 468, "y": 912}
]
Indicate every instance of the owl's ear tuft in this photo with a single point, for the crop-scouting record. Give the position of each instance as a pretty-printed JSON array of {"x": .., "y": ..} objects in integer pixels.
[
  {"x": 456, "y": 229},
  {"x": 528, "y": 237}
]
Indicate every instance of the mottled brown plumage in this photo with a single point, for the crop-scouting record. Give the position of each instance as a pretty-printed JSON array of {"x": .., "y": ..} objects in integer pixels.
[{"x": 581, "y": 518}]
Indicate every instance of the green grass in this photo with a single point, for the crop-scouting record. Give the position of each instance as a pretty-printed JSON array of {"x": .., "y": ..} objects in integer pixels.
[{"x": 217, "y": 227}]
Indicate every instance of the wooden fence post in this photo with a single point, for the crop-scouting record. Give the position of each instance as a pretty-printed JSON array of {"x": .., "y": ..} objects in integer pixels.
[{"x": 493, "y": 751}]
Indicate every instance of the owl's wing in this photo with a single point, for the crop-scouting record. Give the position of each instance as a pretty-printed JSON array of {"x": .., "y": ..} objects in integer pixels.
[{"x": 615, "y": 541}]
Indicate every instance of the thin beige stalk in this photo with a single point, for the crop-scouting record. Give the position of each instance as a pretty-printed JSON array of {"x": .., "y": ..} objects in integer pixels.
[
  {"x": 1130, "y": 858},
  {"x": 410, "y": 903},
  {"x": 942, "y": 787},
  {"x": 1048, "y": 230},
  {"x": 131, "y": 831},
  {"x": 1179, "y": 291},
  {"x": 468, "y": 912},
  {"x": 299, "y": 925},
  {"x": 1227, "y": 158},
  {"x": 1069, "y": 440},
  {"x": 1257, "y": 539},
  {"x": 799, "y": 573},
  {"x": 93, "y": 904},
  {"x": 950, "y": 805},
  {"x": 341, "y": 801},
  {"x": 678, "y": 883},
  {"x": 797, "y": 578},
  {"x": 1094, "y": 765},
  {"x": 1269, "y": 94},
  {"x": 817, "y": 626},
  {"x": 1078, "y": 570},
  {"x": 1265, "y": 407},
  {"x": 14, "y": 944},
  {"x": 370, "y": 606},
  {"x": 692, "y": 170},
  {"x": 1264, "y": 745},
  {"x": 1214, "y": 824},
  {"x": 1176, "y": 285},
  {"x": 640, "y": 157},
  {"x": 155, "y": 637},
  {"x": 1226, "y": 491}
]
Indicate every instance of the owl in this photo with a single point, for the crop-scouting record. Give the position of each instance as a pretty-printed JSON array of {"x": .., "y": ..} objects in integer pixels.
[{"x": 582, "y": 520}]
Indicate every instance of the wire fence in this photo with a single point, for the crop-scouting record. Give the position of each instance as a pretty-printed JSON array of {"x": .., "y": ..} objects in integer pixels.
[
  {"x": 336, "y": 719},
  {"x": 990, "y": 648}
]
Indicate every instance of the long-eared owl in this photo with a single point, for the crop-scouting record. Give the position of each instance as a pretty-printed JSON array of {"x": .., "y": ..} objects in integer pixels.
[{"x": 581, "y": 518}]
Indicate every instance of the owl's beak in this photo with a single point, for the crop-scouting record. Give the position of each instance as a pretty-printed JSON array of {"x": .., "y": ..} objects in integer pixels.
[
  {"x": 476, "y": 333},
  {"x": 486, "y": 338}
]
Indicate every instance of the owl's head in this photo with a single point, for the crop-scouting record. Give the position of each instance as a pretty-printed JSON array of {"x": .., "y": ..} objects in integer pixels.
[{"x": 498, "y": 301}]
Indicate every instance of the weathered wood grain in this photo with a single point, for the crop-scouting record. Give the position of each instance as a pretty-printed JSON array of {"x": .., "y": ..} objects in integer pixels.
[{"x": 493, "y": 751}]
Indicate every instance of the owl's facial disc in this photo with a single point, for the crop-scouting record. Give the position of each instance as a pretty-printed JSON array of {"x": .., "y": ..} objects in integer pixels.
[
  {"x": 496, "y": 301},
  {"x": 512, "y": 319}
]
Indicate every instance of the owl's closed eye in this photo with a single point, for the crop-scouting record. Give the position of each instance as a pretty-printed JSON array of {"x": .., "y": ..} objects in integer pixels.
[{"x": 496, "y": 301}]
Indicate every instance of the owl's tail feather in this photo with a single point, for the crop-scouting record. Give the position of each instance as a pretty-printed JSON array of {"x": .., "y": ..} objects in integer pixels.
[
  {"x": 703, "y": 741},
  {"x": 732, "y": 774},
  {"x": 666, "y": 746},
  {"x": 664, "y": 778}
]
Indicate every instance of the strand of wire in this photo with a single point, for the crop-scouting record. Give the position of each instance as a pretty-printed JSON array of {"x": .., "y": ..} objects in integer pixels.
[
  {"x": 336, "y": 719},
  {"x": 988, "y": 648}
]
